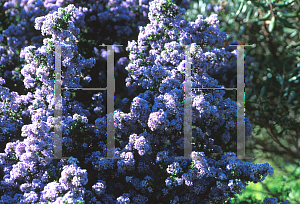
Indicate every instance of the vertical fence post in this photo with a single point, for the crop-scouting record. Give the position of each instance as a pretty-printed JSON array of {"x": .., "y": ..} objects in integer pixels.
[
  {"x": 241, "y": 143},
  {"x": 240, "y": 103},
  {"x": 110, "y": 104},
  {"x": 58, "y": 106},
  {"x": 187, "y": 107}
]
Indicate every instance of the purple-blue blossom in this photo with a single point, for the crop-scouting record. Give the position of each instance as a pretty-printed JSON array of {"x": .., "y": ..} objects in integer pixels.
[{"x": 99, "y": 187}]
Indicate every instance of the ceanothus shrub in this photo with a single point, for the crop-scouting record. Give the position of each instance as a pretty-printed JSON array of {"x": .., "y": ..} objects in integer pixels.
[
  {"x": 28, "y": 174},
  {"x": 118, "y": 17},
  {"x": 155, "y": 122},
  {"x": 150, "y": 135}
]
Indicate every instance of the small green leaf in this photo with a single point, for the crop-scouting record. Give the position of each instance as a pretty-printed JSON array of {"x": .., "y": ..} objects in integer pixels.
[
  {"x": 264, "y": 106},
  {"x": 295, "y": 53},
  {"x": 248, "y": 94},
  {"x": 280, "y": 79},
  {"x": 286, "y": 23},
  {"x": 272, "y": 24},
  {"x": 254, "y": 20},
  {"x": 294, "y": 78},
  {"x": 294, "y": 45},
  {"x": 240, "y": 8},
  {"x": 264, "y": 101},
  {"x": 248, "y": 14},
  {"x": 289, "y": 30},
  {"x": 284, "y": 3},
  {"x": 265, "y": 17},
  {"x": 262, "y": 91},
  {"x": 290, "y": 15},
  {"x": 258, "y": 4},
  {"x": 296, "y": 106},
  {"x": 292, "y": 96}
]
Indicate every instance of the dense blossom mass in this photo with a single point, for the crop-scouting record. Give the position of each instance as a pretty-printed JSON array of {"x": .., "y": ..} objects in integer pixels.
[{"x": 148, "y": 137}]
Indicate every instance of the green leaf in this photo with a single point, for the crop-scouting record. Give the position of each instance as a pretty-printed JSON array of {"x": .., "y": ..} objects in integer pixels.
[
  {"x": 280, "y": 79},
  {"x": 264, "y": 106},
  {"x": 272, "y": 24},
  {"x": 254, "y": 20},
  {"x": 296, "y": 106},
  {"x": 240, "y": 8},
  {"x": 248, "y": 14},
  {"x": 289, "y": 30},
  {"x": 294, "y": 45},
  {"x": 265, "y": 17},
  {"x": 295, "y": 53},
  {"x": 286, "y": 23},
  {"x": 294, "y": 78},
  {"x": 264, "y": 101},
  {"x": 258, "y": 4},
  {"x": 292, "y": 96},
  {"x": 262, "y": 91},
  {"x": 290, "y": 15},
  {"x": 248, "y": 94},
  {"x": 284, "y": 3}
]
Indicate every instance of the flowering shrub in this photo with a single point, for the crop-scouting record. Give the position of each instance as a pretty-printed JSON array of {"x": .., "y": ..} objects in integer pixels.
[
  {"x": 18, "y": 18},
  {"x": 150, "y": 136},
  {"x": 18, "y": 31}
]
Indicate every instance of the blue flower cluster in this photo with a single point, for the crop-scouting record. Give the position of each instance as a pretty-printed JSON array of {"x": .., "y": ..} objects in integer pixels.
[
  {"x": 27, "y": 169},
  {"x": 274, "y": 201},
  {"x": 149, "y": 137},
  {"x": 227, "y": 75},
  {"x": 119, "y": 19}
]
